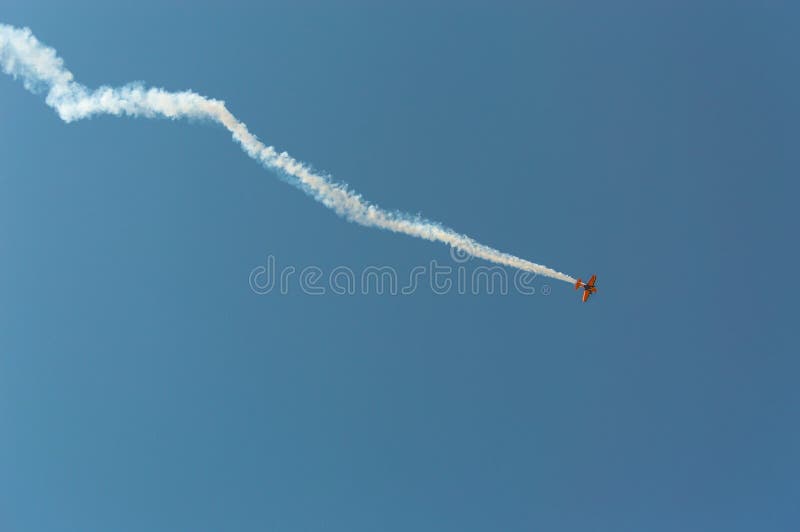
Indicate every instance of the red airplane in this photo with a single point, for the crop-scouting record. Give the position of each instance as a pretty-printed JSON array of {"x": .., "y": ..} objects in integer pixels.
[{"x": 588, "y": 288}]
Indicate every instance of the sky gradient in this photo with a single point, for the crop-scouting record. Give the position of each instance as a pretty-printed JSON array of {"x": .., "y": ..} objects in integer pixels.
[{"x": 145, "y": 386}]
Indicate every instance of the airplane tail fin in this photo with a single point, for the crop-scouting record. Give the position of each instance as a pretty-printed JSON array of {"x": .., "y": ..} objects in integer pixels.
[{"x": 578, "y": 284}]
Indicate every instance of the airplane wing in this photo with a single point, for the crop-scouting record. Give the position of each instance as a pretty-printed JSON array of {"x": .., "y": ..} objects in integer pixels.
[
  {"x": 586, "y": 295},
  {"x": 592, "y": 280}
]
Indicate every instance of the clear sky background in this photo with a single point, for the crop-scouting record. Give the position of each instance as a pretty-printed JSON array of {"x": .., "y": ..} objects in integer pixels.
[{"x": 145, "y": 387}]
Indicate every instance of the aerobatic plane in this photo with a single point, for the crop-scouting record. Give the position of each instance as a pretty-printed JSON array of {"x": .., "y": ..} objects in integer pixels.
[{"x": 588, "y": 288}]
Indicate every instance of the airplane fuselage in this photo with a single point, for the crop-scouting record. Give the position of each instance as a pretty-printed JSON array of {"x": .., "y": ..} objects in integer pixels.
[{"x": 588, "y": 288}]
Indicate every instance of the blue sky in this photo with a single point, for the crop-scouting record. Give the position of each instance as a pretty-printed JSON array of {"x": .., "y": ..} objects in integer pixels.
[{"x": 144, "y": 386}]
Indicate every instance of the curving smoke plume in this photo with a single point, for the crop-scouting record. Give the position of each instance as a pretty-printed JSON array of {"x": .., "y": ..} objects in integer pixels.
[{"x": 40, "y": 69}]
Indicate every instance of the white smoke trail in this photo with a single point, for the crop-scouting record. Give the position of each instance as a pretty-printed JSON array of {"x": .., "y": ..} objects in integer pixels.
[{"x": 23, "y": 56}]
